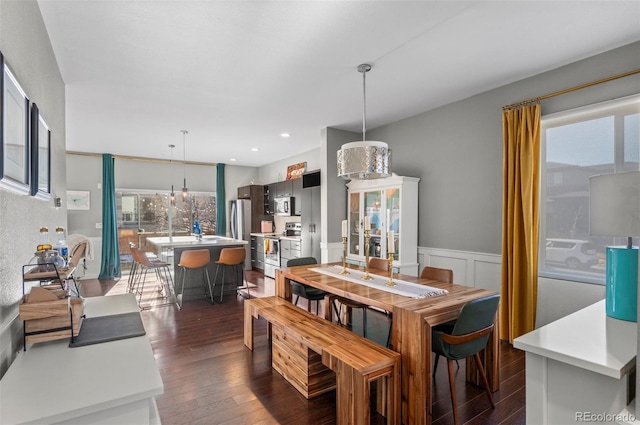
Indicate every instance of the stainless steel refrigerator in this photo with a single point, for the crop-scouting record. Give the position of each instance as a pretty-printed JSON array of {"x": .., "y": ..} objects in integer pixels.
[{"x": 240, "y": 225}]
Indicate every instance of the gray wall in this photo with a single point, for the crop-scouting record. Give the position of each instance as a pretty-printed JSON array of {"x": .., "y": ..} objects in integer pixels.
[
  {"x": 456, "y": 150},
  {"x": 277, "y": 171},
  {"x": 85, "y": 173},
  {"x": 26, "y": 48},
  {"x": 333, "y": 194}
]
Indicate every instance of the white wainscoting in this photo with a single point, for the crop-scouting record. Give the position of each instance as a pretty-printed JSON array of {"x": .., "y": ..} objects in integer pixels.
[{"x": 475, "y": 269}]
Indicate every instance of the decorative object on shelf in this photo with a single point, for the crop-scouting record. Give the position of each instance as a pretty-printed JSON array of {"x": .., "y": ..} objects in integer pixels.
[
  {"x": 366, "y": 159},
  {"x": 614, "y": 210},
  {"x": 172, "y": 196},
  {"x": 296, "y": 171},
  {"x": 344, "y": 247},
  {"x": 14, "y": 133},
  {"x": 367, "y": 238},
  {"x": 78, "y": 200},
  {"x": 185, "y": 189}
]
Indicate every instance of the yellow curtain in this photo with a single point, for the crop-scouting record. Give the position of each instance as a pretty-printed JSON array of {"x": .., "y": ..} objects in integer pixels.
[{"x": 520, "y": 221}]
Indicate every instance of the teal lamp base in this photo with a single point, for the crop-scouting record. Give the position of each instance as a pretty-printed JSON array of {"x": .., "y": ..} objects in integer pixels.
[{"x": 622, "y": 283}]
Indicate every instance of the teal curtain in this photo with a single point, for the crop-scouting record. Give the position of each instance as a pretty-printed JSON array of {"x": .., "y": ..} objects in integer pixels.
[
  {"x": 110, "y": 266},
  {"x": 221, "y": 202}
]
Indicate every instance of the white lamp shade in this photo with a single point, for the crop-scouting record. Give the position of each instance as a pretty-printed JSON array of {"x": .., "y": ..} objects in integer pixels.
[
  {"x": 614, "y": 204},
  {"x": 364, "y": 160}
]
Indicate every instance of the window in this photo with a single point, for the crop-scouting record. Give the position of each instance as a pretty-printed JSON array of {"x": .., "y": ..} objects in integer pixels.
[
  {"x": 577, "y": 144},
  {"x": 143, "y": 215}
]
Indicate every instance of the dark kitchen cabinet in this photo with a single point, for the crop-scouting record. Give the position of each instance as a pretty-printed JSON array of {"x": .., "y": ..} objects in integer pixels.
[{"x": 255, "y": 193}]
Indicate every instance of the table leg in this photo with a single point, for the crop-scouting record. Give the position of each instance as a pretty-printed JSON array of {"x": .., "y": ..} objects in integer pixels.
[
  {"x": 412, "y": 338},
  {"x": 248, "y": 325},
  {"x": 283, "y": 286}
]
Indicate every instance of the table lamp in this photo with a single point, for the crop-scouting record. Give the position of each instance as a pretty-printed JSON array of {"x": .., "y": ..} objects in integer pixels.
[{"x": 614, "y": 210}]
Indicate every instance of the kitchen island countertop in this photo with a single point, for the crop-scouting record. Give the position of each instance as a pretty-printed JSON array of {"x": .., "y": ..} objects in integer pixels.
[{"x": 191, "y": 241}]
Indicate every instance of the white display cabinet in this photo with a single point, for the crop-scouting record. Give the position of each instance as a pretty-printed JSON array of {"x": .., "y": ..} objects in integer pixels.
[{"x": 391, "y": 204}]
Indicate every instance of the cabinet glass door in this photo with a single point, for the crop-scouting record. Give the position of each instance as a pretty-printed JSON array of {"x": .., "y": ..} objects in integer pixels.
[
  {"x": 373, "y": 210},
  {"x": 393, "y": 218},
  {"x": 354, "y": 223}
]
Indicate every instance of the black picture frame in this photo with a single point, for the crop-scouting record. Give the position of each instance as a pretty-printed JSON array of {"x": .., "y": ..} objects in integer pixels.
[
  {"x": 40, "y": 155},
  {"x": 34, "y": 149},
  {"x": 1, "y": 115},
  {"x": 14, "y": 134}
]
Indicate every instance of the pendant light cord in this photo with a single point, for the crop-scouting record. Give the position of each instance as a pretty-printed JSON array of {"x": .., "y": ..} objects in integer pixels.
[
  {"x": 364, "y": 68},
  {"x": 364, "y": 106}
]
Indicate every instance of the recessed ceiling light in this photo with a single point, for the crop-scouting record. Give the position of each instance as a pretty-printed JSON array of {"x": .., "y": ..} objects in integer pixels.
[
  {"x": 254, "y": 149},
  {"x": 232, "y": 159},
  {"x": 285, "y": 135}
]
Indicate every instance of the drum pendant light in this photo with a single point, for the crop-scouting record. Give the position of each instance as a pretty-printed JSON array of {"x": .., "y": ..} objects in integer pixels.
[{"x": 366, "y": 159}]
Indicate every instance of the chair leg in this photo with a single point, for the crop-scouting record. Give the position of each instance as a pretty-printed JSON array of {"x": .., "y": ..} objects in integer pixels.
[
  {"x": 296, "y": 301},
  {"x": 435, "y": 365},
  {"x": 222, "y": 287},
  {"x": 364, "y": 322},
  {"x": 452, "y": 388},
  {"x": 206, "y": 272},
  {"x": 483, "y": 375},
  {"x": 184, "y": 276}
]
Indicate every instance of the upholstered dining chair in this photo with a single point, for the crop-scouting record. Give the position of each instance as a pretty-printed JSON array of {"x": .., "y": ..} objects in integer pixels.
[
  {"x": 378, "y": 264},
  {"x": 435, "y": 273},
  {"x": 468, "y": 336},
  {"x": 300, "y": 290}
]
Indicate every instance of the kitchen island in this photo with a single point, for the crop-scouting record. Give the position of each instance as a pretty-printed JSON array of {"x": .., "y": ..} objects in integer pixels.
[{"x": 170, "y": 249}]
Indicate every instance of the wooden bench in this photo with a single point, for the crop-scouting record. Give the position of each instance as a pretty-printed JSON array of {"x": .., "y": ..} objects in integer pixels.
[{"x": 305, "y": 345}]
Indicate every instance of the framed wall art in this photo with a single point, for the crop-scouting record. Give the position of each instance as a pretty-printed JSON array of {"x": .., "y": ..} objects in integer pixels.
[
  {"x": 14, "y": 133},
  {"x": 40, "y": 155},
  {"x": 78, "y": 200}
]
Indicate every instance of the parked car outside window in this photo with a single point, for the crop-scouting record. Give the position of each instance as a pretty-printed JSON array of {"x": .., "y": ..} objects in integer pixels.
[{"x": 572, "y": 253}]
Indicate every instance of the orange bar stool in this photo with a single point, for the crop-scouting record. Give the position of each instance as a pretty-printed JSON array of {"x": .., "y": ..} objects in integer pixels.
[
  {"x": 194, "y": 259},
  {"x": 234, "y": 258},
  {"x": 138, "y": 275}
]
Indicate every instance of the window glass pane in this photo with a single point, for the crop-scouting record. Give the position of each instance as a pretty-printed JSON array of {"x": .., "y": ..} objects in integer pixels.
[
  {"x": 631, "y": 142},
  {"x": 576, "y": 145},
  {"x": 143, "y": 215}
]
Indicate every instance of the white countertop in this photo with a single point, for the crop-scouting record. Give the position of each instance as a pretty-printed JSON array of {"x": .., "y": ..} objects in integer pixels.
[
  {"x": 191, "y": 241},
  {"x": 588, "y": 339},
  {"x": 51, "y": 382},
  {"x": 278, "y": 235}
]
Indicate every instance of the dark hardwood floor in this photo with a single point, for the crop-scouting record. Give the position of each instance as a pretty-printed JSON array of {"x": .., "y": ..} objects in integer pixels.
[{"x": 210, "y": 377}]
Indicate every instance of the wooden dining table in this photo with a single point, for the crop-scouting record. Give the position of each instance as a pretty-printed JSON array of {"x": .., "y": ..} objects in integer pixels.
[{"x": 412, "y": 320}]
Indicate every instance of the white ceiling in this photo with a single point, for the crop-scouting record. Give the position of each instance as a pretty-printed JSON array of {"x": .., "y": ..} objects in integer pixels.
[{"x": 237, "y": 74}]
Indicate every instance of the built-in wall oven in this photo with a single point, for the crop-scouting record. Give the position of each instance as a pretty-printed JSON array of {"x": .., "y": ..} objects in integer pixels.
[{"x": 271, "y": 255}]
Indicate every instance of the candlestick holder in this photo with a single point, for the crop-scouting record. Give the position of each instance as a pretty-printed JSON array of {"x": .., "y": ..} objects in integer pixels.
[
  {"x": 367, "y": 237},
  {"x": 391, "y": 282},
  {"x": 344, "y": 256}
]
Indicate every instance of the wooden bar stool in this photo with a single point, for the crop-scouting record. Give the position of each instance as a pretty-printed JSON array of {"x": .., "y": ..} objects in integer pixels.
[
  {"x": 231, "y": 257},
  {"x": 194, "y": 259}
]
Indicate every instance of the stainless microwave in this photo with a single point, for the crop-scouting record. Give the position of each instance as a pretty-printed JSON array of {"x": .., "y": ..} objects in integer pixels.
[{"x": 283, "y": 206}]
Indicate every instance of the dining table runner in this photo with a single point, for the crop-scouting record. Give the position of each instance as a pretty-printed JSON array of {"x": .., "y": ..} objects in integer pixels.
[{"x": 404, "y": 288}]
